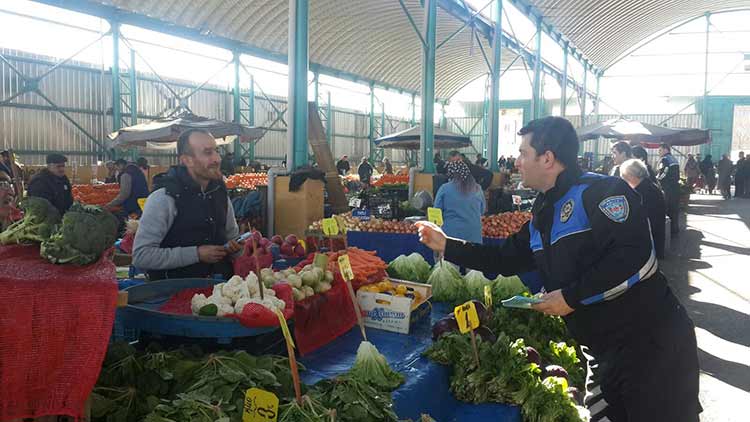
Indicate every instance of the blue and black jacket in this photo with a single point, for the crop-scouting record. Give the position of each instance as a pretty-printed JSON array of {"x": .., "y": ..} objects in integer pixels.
[{"x": 590, "y": 238}]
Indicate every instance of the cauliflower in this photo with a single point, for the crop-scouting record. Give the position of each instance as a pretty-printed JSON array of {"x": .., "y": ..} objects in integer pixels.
[
  {"x": 234, "y": 289},
  {"x": 197, "y": 302},
  {"x": 295, "y": 280},
  {"x": 217, "y": 289},
  {"x": 224, "y": 310}
]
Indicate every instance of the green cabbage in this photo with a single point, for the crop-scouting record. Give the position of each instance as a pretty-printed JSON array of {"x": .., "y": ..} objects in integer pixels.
[
  {"x": 371, "y": 367},
  {"x": 447, "y": 283},
  {"x": 412, "y": 268},
  {"x": 507, "y": 287},
  {"x": 475, "y": 282}
]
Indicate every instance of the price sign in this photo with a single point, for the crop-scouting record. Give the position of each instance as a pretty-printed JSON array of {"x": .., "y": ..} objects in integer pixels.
[
  {"x": 362, "y": 215},
  {"x": 260, "y": 406},
  {"x": 330, "y": 227},
  {"x": 488, "y": 297},
  {"x": 435, "y": 215},
  {"x": 516, "y": 199},
  {"x": 355, "y": 202},
  {"x": 466, "y": 316},
  {"x": 346, "y": 268},
  {"x": 142, "y": 203}
]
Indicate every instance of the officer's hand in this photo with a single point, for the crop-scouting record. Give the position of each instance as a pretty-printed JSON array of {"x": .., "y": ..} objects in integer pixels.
[
  {"x": 211, "y": 254},
  {"x": 432, "y": 236},
  {"x": 233, "y": 247},
  {"x": 554, "y": 304}
]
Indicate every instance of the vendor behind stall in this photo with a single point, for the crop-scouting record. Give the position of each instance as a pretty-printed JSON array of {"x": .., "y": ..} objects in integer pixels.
[
  {"x": 52, "y": 184},
  {"x": 462, "y": 203},
  {"x": 188, "y": 228},
  {"x": 8, "y": 212},
  {"x": 133, "y": 186}
]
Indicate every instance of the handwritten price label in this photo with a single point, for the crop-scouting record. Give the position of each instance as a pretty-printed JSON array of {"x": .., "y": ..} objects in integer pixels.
[
  {"x": 260, "y": 406},
  {"x": 466, "y": 316},
  {"x": 435, "y": 215},
  {"x": 346, "y": 268}
]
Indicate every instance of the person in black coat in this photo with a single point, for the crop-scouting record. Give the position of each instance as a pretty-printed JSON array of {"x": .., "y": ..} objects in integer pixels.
[
  {"x": 635, "y": 172},
  {"x": 343, "y": 166},
  {"x": 52, "y": 184}
]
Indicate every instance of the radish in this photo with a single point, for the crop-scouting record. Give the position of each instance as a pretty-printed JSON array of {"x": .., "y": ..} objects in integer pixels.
[
  {"x": 277, "y": 240},
  {"x": 291, "y": 239}
]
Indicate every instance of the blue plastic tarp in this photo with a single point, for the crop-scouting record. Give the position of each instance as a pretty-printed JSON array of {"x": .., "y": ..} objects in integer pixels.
[{"x": 426, "y": 387}]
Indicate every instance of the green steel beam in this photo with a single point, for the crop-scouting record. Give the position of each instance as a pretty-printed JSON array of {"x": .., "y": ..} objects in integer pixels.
[
  {"x": 564, "y": 83},
  {"x": 427, "y": 140},
  {"x": 371, "y": 135},
  {"x": 466, "y": 23},
  {"x": 237, "y": 113},
  {"x": 537, "y": 84},
  {"x": 704, "y": 111},
  {"x": 316, "y": 75},
  {"x": 298, "y": 68},
  {"x": 596, "y": 101},
  {"x": 70, "y": 119},
  {"x": 411, "y": 21},
  {"x": 116, "y": 122},
  {"x": 251, "y": 117},
  {"x": 494, "y": 109},
  {"x": 329, "y": 125},
  {"x": 413, "y": 110},
  {"x": 133, "y": 90}
]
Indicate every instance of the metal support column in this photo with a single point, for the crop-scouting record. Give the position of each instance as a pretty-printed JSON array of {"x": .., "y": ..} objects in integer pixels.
[
  {"x": 297, "y": 99},
  {"x": 494, "y": 109},
  {"x": 564, "y": 82},
  {"x": 133, "y": 90},
  {"x": 237, "y": 115},
  {"x": 596, "y": 100},
  {"x": 537, "y": 85},
  {"x": 116, "y": 105},
  {"x": 704, "y": 108},
  {"x": 329, "y": 126},
  {"x": 251, "y": 117},
  {"x": 427, "y": 140},
  {"x": 585, "y": 93},
  {"x": 413, "y": 109},
  {"x": 443, "y": 120},
  {"x": 316, "y": 75},
  {"x": 372, "y": 121}
]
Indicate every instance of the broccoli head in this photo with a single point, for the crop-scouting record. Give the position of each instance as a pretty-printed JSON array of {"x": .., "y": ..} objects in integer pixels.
[
  {"x": 39, "y": 222},
  {"x": 86, "y": 232}
]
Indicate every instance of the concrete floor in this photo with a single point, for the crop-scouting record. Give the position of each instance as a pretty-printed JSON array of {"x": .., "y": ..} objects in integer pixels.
[{"x": 709, "y": 269}]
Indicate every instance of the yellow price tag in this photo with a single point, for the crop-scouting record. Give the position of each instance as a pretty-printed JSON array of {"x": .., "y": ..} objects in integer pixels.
[
  {"x": 488, "y": 296},
  {"x": 142, "y": 203},
  {"x": 284, "y": 328},
  {"x": 330, "y": 227},
  {"x": 435, "y": 215},
  {"x": 466, "y": 316},
  {"x": 346, "y": 268},
  {"x": 260, "y": 406}
]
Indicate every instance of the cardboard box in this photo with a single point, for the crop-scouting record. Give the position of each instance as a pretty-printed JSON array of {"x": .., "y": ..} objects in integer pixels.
[{"x": 394, "y": 313}]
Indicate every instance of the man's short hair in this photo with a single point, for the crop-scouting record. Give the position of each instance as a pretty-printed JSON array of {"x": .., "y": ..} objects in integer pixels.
[
  {"x": 623, "y": 147},
  {"x": 56, "y": 159},
  {"x": 634, "y": 168},
  {"x": 665, "y": 146},
  {"x": 554, "y": 134},
  {"x": 454, "y": 153},
  {"x": 183, "y": 142},
  {"x": 639, "y": 152},
  {"x": 121, "y": 162},
  {"x": 5, "y": 153},
  {"x": 142, "y": 162}
]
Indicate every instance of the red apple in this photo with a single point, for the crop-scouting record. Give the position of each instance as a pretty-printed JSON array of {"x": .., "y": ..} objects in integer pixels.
[
  {"x": 291, "y": 239},
  {"x": 277, "y": 240},
  {"x": 299, "y": 251}
]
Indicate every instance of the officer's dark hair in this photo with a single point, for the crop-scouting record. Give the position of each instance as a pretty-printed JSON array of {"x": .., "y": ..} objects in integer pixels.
[
  {"x": 554, "y": 134},
  {"x": 640, "y": 153},
  {"x": 121, "y": 162},
  {"x": 623, "y": 147},
  {"x": 666, "y": 147},
  {"x": 183, "y": 142}
]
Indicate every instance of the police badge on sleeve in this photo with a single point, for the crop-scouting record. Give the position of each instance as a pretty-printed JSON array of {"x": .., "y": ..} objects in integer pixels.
[{"x": 616, "y": 208}]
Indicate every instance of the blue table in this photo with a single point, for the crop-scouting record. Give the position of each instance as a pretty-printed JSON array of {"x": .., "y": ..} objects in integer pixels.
[{"x": 426, "y": 387}]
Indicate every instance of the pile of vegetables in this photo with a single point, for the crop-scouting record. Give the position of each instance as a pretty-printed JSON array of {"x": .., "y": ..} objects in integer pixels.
[
  {"x": 80, "y": 238},
  {"x": 347, "y": 222},
  {"x": 412, "y": 268},
  {"x": 289, "y": 247},
  {"x": 310, "y": 281},
  {"x": 391, "y": 179},
  {"x": 249, "y": 181},
  {"x": 232, "y": 297},
  {"x": 530, "y": 362},
  {"x": 505, "y": 224},
  {"x": 100, "y": 195},
  {"x": 395, "y": 289},
  {"x": 156, "y": 385},
  {"x": 86, "y": 232},
  {"x": 367, "y": 267}
]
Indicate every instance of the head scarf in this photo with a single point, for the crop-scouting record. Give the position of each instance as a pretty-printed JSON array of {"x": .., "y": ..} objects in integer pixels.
[{"x": 457, "y": 170}]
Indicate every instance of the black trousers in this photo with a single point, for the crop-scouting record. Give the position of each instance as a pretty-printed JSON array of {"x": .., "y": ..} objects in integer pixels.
[
  {"x": 672, "y": 204},
  {"x": 739, "y": 187},
  {"x": 651, "y": 377}
]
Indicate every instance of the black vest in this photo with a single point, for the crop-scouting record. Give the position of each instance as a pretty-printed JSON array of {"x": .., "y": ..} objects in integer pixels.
[{"x": 201, "y": 220}]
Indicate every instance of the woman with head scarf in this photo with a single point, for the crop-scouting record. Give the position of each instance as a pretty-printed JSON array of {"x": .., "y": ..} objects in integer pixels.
[{"x": 462, "y": 203}]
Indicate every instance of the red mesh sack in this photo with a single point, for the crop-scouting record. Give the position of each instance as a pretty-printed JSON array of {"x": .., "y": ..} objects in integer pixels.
[
  {"x": 55, "y": 324},
  {"x": 179, "y": 303},
  {"x": 322, "y": 318},
  {"x": 257, "y": 316},
  {"x": 245, "y": 264},
  {"x": 126, "y": 244}
]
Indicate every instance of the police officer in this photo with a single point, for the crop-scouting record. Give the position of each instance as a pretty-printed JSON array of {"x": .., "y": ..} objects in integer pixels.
[
  {"x": 669, "y": 179},
  {"x": 590, "y": 241}
]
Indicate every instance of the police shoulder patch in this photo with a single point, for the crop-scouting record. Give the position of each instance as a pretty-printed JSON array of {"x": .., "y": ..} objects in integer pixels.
[
  {"x": 566, "y": 211},
  {"x": 616, "y": 208}
]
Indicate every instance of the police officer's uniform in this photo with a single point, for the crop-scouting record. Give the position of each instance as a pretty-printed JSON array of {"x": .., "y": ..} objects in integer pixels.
[{"x": 589, "y": 236}]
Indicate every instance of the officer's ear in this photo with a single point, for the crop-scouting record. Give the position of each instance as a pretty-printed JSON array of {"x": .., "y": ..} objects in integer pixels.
[{"x": 548, "y": 159}]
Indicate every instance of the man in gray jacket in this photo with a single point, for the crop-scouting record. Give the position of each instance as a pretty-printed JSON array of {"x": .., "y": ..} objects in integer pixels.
[{"x": 188, "y": 228}]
